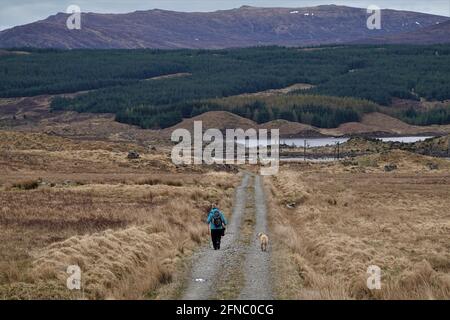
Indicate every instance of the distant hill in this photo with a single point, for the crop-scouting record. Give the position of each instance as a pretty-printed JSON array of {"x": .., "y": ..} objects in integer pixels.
[
  {"x": 371, "y": 124},
  {"x": 242, "y": 27},
  {"x": 435, "y": 34}
]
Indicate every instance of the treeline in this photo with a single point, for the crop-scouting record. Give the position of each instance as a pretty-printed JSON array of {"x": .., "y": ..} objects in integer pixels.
[
  {"x": 406, "y": 72},
  {"x": 318, "y": 115},
  {"x": 57, "y": 71},
  {"x": 370, "y": 73},
  {"x": 155, "y": 104},
  {"x": 319, "y": 111},
  {"x": 439, "y": 115}
]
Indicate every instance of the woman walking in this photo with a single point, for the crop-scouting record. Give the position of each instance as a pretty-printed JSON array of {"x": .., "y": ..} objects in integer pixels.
[{"x": 217, "y": 223}]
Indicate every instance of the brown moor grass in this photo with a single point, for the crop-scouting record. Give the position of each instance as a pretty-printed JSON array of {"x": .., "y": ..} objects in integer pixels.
[
  {"x": 344, "y": 219},
  {"x": 126, "y": 223}
]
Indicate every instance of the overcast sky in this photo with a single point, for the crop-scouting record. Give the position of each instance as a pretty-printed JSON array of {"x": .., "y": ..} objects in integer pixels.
[{"x": 18, "y": 12}]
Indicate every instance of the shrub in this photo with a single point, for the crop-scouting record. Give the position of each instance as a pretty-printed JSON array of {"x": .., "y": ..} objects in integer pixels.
[{"x": 26, "y": 184}]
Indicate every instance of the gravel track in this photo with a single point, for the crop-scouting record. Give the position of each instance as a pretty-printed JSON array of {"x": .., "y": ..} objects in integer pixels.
[
  {"x": 257, "y": 263},
  {"x": 208, "y": 263}
]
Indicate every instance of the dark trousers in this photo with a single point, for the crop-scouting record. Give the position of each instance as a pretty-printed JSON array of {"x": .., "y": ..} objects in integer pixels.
[{"x": 216, "y": 236}]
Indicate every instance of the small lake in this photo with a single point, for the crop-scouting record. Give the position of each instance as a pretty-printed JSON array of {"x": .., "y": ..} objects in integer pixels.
[
  {"x": 313, "y": 142},
  {"x": 330, "y": 141}
]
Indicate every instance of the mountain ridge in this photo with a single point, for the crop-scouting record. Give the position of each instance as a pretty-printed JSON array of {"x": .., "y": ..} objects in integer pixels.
[
  {"x": 435, "y": 34},
  {"x": 241, "y": 27}
]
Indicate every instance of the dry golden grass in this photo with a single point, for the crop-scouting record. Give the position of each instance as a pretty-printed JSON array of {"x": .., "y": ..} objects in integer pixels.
[
  {"x": 347, "y": 218},
  {"x": 10, "y": 140},
  {"x": 127, "y": 223}
]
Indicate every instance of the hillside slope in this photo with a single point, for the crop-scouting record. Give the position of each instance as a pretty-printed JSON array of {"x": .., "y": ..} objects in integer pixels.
[
  {"x": 435, "y": 34},
  {"x": 242, "y": 27},
  {"x": 34, "y": 115},
  {"x": 372, "y": 124}
]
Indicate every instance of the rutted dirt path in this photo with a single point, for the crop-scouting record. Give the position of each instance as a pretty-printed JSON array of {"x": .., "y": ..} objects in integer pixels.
[
  {"x": 239, "y": 270},
  {"x": 208, "y": 262},
  {"x": 257, "y": 264}
]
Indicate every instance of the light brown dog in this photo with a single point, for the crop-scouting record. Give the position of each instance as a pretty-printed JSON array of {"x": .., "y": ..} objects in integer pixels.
[{"x": 263, "y": 240}]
